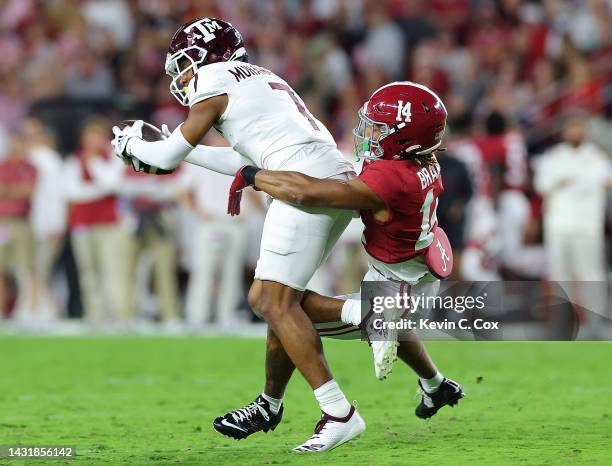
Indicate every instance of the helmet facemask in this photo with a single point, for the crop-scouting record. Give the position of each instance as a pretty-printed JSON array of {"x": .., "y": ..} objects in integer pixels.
[
  {"x": 367, "y": 137},
  {"x": 173, "y": 67},
  {"x": 174, "y": 70},
  {"x": 369, "y": 134}
]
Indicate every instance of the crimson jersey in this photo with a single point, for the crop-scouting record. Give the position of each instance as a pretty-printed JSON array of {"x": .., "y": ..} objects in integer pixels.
[
  {"x": 411, "y": 192},
  {"x": 508, "y": 151}
]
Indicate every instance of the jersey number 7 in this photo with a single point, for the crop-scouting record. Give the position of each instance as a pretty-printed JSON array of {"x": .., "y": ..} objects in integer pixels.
[{"x": 297, "y": 101}]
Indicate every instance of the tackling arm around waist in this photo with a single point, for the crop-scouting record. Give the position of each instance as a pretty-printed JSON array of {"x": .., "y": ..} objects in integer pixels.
[{"x": 297, "y": 188}]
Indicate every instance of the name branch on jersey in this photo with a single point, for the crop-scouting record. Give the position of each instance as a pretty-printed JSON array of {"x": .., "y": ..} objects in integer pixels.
[{"x": 428, "y": 175}]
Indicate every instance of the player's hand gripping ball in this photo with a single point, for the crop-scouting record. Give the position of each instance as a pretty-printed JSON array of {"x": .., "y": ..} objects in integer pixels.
[{"x": 128, "y": 129}]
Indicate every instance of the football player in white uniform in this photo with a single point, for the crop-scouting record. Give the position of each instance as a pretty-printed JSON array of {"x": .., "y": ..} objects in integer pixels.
[{"x": 268, "y": 126}]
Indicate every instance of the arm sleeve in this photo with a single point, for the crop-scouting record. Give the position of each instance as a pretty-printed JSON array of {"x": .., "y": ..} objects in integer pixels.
[
  {"x": 383, "y": 180},
  {"x": 218, "y": 159},
  {"x": 166, "y": 154}
]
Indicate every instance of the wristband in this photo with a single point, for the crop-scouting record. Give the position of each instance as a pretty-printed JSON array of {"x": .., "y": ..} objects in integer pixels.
[{"x": 248, "y": 173}]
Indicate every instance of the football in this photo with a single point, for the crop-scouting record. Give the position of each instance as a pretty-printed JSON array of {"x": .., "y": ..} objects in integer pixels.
[{"x": 150, "y": 133}]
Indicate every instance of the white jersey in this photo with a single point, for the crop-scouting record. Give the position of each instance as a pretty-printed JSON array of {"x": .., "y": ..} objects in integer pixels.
[{"x": 266, "y": 121}]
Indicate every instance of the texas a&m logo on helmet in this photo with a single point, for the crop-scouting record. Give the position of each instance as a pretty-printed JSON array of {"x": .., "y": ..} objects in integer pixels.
[{"x": 199, "y": 43}]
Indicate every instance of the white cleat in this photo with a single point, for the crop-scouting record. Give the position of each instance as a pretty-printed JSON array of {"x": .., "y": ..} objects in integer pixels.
[
  {"x": 383, "y": 340},
  {"x": 385, "y": 355},
  {"x": 331, "y": 432}
]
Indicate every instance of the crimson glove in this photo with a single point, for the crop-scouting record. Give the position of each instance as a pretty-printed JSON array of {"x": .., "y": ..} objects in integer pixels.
[{"x": 244, "y": 177}]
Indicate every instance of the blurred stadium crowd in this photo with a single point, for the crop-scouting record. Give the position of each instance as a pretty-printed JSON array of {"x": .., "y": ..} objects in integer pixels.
[{"x": 81, "y": 235}]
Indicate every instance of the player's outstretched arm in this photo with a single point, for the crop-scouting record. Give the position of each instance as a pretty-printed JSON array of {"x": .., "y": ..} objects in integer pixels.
[
  {"x": 167, "y": 154},
  {"x": 297, "y": 188},
  {"x": 223, "y": 160}
]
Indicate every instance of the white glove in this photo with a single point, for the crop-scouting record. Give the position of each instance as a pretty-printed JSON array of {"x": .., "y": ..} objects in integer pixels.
[
  {"x": 121, "y": 139},
  {"x": 165, "y": 131}
]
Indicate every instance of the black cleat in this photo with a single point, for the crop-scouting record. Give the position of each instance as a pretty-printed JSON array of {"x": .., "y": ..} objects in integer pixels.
[
  {"x": 448, "y": 393},
  {"x": 243, "y": 422}
]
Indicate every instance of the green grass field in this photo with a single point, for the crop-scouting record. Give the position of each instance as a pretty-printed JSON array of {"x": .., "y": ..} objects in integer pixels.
[{"x": 151, "y": 401}]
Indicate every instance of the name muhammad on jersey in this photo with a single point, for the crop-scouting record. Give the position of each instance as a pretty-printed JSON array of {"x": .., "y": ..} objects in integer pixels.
[{"x": 245, "y": 71}]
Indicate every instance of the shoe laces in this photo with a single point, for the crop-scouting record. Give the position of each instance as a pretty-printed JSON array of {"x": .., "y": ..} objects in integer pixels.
[
  {"x": 249, "y": 411},
  {"x": 320, "y": 427},
  {"x": 322, "y": 424}
]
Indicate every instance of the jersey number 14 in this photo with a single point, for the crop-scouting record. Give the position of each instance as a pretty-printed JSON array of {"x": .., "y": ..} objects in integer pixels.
[{"x": 429, "y": 220}]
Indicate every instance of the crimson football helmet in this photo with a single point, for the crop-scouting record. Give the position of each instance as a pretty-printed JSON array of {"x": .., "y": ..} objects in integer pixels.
[
  {"x": 198, "y": 43},
  {"x": 400, "y": 119}
]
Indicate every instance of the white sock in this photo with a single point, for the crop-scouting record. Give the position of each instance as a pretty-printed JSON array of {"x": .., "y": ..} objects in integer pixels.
[
  {"x": 332, "y": 400},
  {"x": 431, "y": 385},
  {"x": 351, "y": 312},
  {"x": 275, "y": 403}
]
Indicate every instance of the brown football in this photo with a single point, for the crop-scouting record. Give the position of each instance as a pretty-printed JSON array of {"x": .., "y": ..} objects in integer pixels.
[{"x": 150, "y": 133}]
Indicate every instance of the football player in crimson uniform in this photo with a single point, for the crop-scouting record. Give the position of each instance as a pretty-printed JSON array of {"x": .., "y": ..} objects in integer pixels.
[
  {"x": 268, "y": 126},
  {"x": 401, "y": 126}
]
